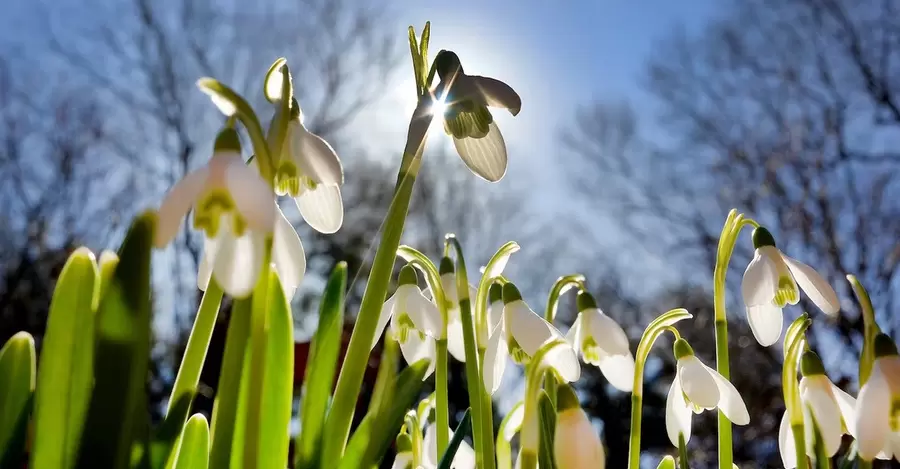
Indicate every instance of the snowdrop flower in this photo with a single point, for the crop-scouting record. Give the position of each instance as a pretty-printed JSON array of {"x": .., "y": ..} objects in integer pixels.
[
  {"x": 233, "y": 206},
  {"x": 520, "y": 334},
  {"x": 494, "y": 313},
  {"x": 832, "y": 408},
  {"x": 413, "y": 320},
  {"x": 697, "y": 387},
  {"x": 576, "y": 444},
  {"x": 288, "y": 257},
  {"x": 455, "y": 342},
  {"x": 878, "y": 405},
  {"x": 405, "y": 458},
  {"x": 463, "y": 459},
  {"x": 771, "y": 282},
  {"x": 467, "y": 119},
  {"x": 602, "y": 342},
  {"x": 310, "y": 171}
]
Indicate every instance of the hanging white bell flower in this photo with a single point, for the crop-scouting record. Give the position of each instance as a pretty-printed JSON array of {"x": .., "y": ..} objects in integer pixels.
[
  {"x": 233, "y": 206},
  {"x": 414, "y": 320},
  {"x": 494, "y": 314},
  {"x": 520, "y": 334},
  {"x": 463, "y": 459},
  {"x": 467, "y": 119},
  {"x": 891, "y": 448},
  {"x": 602, "y": 342},
  {"x": 576, "y": 444},
  {"x": 405, "y": 458},
  {"x": 310, "y": 171},
  {"x": 833, "y": 411},
  {"x": 697, "y": 387},
  {"x": 771, "y": 282},
  {"x": 455, "y": 339},
  {"x": 878, "y": 405}
]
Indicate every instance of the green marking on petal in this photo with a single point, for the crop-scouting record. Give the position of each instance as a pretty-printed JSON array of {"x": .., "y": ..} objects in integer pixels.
[
  {"x": 209, "y": 211},
  {"x": 287, "y": 178},
  {"x": 405, "y": 324},
  {"x": 895, "y": 414},
  {"x": 515, "y": 351},
  {"x": 590, "y": 349},
  {"x": 786, "y": 293}
]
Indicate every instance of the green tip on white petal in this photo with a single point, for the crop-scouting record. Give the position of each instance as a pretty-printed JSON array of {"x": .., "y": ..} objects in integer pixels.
[
  {"x": 566, "y": 398},
  {"x": 511, "y": 293},
  {"x": 811, "y": 364},
  {"x": 228, "y": 141},
  {"x": 884, "y": 346},
  {"x": 495, "y": 293},
  {"x": 682, "y": 349},
  {"x": 408, "y": 276},
  {"x": 446, "y": 266},
  {"x": 762, "y": 237},
  {"x": 585, "y": 301}
]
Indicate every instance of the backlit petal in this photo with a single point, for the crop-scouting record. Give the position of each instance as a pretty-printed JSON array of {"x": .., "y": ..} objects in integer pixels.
[
  {"x": 847, "y": 404},
  {"x": 315, "y": 157},
  {"x": 766, "y": 321},
  {"x": 698, "y": 383},
  {"x": 576, "y": 444},
  {"x": 530, "y": 330},
  {"x": 176, "y": 205},
  {"x": 815, "y": 391},
  {"x": 573, "y": 337},
  {"x": 816, "y": 288},
  {"x": 619, "y": 371},
  {"x": 424, "y": 313},
  {"x": 416, "y": 347},
  {"x": 485, "y": 156},
  {"x": 608, "y": 334},
  {"x": 678, "y": 414},
  {"x": 384, "y": 317},
  {"x": 287, "y": 253},
  {"x": 488, "y": 91},
  {"x": 872, "y": 414},
  {"x": 564, "y": 360},
  {"x": 760, "y": 280},
  {"x": 514, "y": 421},
  {"x": 455, "y": 340},
  {"x": 252, "y": 196},
  {"x": 204, "y": 270},
  {"x": 238, "y": 261},
  {"x": 786, "y": 445},
  {"x": 403, "y": 460},
  {"x": 322, "y": 208},
  {"x": 730, "y": 401},
  {"x": 418, "y": 128},
  {"x": 495, "y": 357}
]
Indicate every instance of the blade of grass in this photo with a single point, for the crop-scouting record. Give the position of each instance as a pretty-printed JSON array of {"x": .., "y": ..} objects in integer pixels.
[
  {"x": 66, "y": 373},
  {"x": 320, "y": 369},
  {"x": 17, "y": 369},
  {"x": 194, "y": 451},
  {"x": 465, "y": 425},
  {"x": 122, "y": 354},
  {"x": 547, "y": 418},
  {"x": 225, "y": 416}
]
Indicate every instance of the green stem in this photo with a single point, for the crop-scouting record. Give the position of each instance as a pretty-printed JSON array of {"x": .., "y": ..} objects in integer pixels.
[
  {"x": 337, "y": 426},
  {"x": 682, "y": 453},
  {"x": 487, "y": 421},
  {"x": 727, "y": 240},
  {"x": 259, "y": 325},
  {"x": 659, "y": 325},
  {"x": 198, "y": 342},
  {"x": 870, "y": 329},
  {"x": 442, "y": 407},
  {"x": 562, "y": 285},
  {"x": 225, "y": 408},
  {"x": 530, "y": 435},
  {"x": 794, "y": 342},
  {"x": 504, "y": 450}
]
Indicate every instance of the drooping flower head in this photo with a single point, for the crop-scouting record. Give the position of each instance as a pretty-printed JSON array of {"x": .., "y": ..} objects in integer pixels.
[
  {"x": 455, "y": 342},
  {"x": 233, "y": 207},
  {"x": 878, "y": 405},
  {"x": 576, "y": 444},
  {"x": 772, "y": 281},
  {"x": 601, "y": 342},
  {"x": 310, "y": 171},
  {"x": 696, "y": 388},
  {"x": 824, "y": 405}
]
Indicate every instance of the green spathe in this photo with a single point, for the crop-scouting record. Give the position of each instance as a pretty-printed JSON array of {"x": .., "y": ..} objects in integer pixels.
[
  {"x": 762, "y": 237},
  {"x": 585, "y": 301},
  {"x": 682, "y": 349},
  {"x": 811, "y": 364},
  {"x": 511, "y": 294}
]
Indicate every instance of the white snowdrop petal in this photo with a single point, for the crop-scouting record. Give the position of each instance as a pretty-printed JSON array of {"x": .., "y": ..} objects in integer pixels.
[
  {"x": 315, "y": 157},
  {"x": 416, "y": 347},
  {"x": 204, "y": 269},
  {"x": 493, "y": 93},
  {"x": 619, "y": 371},
  {"x": 872, "y": 415},
  {"x": 386, "y": 311},
  {"x": 464, "y": 457},
  {"x": 403, "y": 460},
  {"x": 287, "y": 253},
  {"x": 424, "y": 313},
  {"x": 564, "y": 360},
  {"x": 678, "y": 414},
  {"x": 530, "y": 330},
  {"x": 847, "y": 404},
  {"x": 608, "y": 334},
  {"x": 456, "y": 344},
  {"x": 786, "y": 445},
  {"x": 514, "y": 421},
  {"x": 418, "y": 128},
  {"x": 252, "y": 196},
  {"x": 730, "y": 401},
  {"x": 485, "y": 156},
  {"x": 238, "y": 262},
  {"x": 322, "y": 208},
  {"x": 576, "y": 443},
  {"x": 816, "y": 288},
  {"x": 760, "y": 280},
  {"x": 698, "y": 383},
  {"x": 429, "y": 446},
  {"x": 495, "y": 357},
  {"x": 176, "y": 204},
  {"x": 816, "y": 392},
  {"x": 766, "y": 322},
  {"x": 495, "y": 314},
  {"x": 573, "y": 336}
]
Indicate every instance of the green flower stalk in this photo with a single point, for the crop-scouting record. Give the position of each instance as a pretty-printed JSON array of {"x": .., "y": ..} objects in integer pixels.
[
  {"x": 509, "y": 426},
  {"x": 794, "y": 342},
  {"x": 727, "y": 240},
  {"x": 530, "y": 437},
  {"x": 870, "y": 329},
  {"x": 561, "y": 286},
  {"x": 664, "y": 322}
]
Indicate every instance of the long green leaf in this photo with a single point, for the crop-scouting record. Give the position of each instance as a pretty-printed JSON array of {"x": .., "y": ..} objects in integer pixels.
[
  {"x": 194, "y": 451},
  {"x": 547, "y": 418},
  {"x": 374, "y": 435},
  {"x": 278, "y": 382},
  {"x": 17, "y": 377},
  {"x": 461, "y": 431},
  {"x": 320, "y": 369},
  {"x": 165, "y": 440},
  {"x": 122, "y": 354},
  {"x": 66, "y": 373},
  {"x": 225, "y": 417}
]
